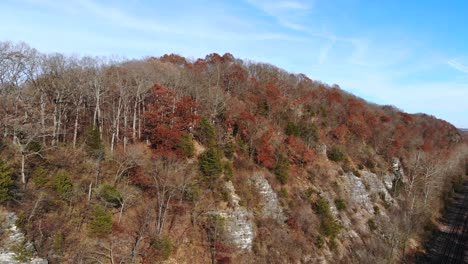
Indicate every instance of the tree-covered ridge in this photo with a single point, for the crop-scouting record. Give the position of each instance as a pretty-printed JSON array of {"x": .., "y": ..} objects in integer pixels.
[{"x": 130, "y": 157}]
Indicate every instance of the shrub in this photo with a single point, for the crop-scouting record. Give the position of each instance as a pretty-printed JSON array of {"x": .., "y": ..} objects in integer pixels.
[
  {"x": 336, "y": 154},
  {"x": 281, "y": 169},
  {"x": 163, "y": 246},
  {"x": 110, "y": 194},
  {"x": 369, "y": 163},
  {"x": 328, "y": 225},
  {"x": 372, "y": 225},
  {"x": 322, "y": 207},
  {"x": 34, "y": 146},
  {"x": 319, "y": 241},
  {"x": 376, "y": 210},
  {"x": 340, "y": 204},
  {"x": 6, "y": 182},
  {"x": 333, "y": 244},
  {"x": 101, "y": 221},
  {"x": 263, "y": 108},
  {"x": 229, "y": 149},
  {"x": 23, "y": 251},
  {"x": 309, "y": 133},
  {"x": 39, "y": 176},
  {"x": 186, "y": 145},
  {"x": 57, "y": 245},
  {"x": 2, "y": 145},
  {"x": 283, "y": 192},
  {"x": 228, "y": 171},
  {"x": 292, "y": 129},
  {"x": 193, "y": 192},
  {"x": 62, "y": 184}
]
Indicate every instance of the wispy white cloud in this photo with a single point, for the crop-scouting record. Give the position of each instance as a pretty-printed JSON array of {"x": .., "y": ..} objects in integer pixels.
[
  {"x": 324, "y": 52},
  {"x": 286, "y": 12},
  {"x": 457, "y": 65}
]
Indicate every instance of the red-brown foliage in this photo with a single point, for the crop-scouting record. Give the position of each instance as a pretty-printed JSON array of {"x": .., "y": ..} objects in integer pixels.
[
  {"x": 265, "y": 153},
  {"x": 298, "y": 152},
  {"x": 174, "y": 59},
  {"x": 168, "y": 120}
]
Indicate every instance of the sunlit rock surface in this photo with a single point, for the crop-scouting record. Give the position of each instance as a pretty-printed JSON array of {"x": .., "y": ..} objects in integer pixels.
[
  {"x": 11, "y": 235},
  {"x": 270, "y": 203}
]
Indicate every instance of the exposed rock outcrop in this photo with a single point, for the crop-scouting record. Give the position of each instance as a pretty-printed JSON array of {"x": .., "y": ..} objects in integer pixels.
[
  {"x": 238, "y": 223},
  {"x": 11, "y": 235},
  {"x": 376, "y": 186},
  {"x": 270, "y": 204},
  {"x": 357, "y": 191}
]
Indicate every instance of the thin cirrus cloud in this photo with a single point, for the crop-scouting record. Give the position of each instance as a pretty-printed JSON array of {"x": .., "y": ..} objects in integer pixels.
[
  {"x": 300, "y": 36},
  {"x": 457, "y": 65}
]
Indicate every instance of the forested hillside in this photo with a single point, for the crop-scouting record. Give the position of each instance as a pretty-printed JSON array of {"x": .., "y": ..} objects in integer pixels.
[{"x": 213, "y": 160}]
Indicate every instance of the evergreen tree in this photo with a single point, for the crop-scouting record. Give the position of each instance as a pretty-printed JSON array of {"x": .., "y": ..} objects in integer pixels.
[
  {"x": 336, "y": 153},
  {"x": 110, "y": 194},
  {"x": 186, "y": 145},
  {"x": 62, "y": 184},
  {"x": 282, "y": 169},
  {"x": 94, "y": 144},
  {"x": 210, "y": 164},
  {"x": 101, "y": 221},
  {"x": 5, "y": 181},
  {"x": 292, "y": 129},
  {"x": 207, "y": 132}
]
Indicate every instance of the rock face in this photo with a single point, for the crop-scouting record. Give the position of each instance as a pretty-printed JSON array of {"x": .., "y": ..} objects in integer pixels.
[
  {"x": 11, "y": 236},
  {"x": 376, "y": 186},
  {"x": 388, "y": 181},
  {"x": 238, "y": 224},
  {"x": 398, "y": 170},
  {"x": 270, "y": 203},
  {"x": 364, "y": 190},
  {"x": 357, "y": 191}
]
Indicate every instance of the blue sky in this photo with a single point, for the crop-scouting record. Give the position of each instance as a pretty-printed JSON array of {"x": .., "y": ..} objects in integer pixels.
[{"x": 411, "y": 54}]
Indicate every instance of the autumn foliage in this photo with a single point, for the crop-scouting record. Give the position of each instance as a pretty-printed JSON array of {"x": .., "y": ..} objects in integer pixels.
[{"x": 168, "y": 119}]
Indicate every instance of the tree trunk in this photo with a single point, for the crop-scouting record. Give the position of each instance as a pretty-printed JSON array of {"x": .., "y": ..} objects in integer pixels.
[
  {"x": 23, "y": 161},
  {"x": 75, "y": 130},
  {"x": 43, "y": 104},
  {"x": 134, "y": 122},
  {"x": 90, "y": 191}
]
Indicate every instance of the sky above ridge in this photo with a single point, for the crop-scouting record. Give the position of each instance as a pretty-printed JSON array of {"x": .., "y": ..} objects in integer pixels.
[{"x": 410, "y": 54}]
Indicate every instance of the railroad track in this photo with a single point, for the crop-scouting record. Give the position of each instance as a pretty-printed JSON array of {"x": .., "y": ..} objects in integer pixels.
[{"x": 450, "y": 245}]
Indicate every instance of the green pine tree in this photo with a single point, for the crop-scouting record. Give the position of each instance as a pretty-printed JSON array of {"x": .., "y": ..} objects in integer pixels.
[
  {"x": 186, "y": 145},
  {"x": 94, "y": 144},
  {"x": 5, "y": 181},
  {"x": 110, "y": 194},
  {"x": 207, "y": 132},
  {"x": 62, "y": 184},
  {"x": 101, "y": 221},
  {"x": 210, "y": 164},
  {"x": 282, "y": 169}
]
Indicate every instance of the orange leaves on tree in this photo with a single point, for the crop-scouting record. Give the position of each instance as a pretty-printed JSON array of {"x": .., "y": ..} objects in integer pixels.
[
  {"x": 358, "y": 126},
  {"x": 340, "y": 133},
  {"x": 245, "y": 123},
  {"x": 298, "y": 152},
  {"x": 334, "y": 96},
  {"x": 406, "y": 118},
  {"x": 235, "y": 76},
  {"x": 265, "y": 153},
  {"x": 168, "y": 120},
  {"x": 174, "y": 59}
]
